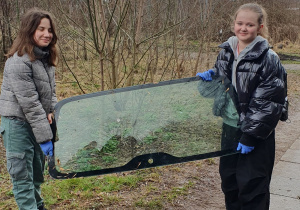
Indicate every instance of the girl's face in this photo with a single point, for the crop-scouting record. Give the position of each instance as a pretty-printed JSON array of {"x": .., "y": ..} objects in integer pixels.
[
  {"x": 43, "y": 34},
  {"x": 246, "y": 26}
]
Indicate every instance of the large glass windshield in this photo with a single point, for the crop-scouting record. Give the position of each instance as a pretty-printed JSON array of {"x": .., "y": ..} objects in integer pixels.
[{"x": 138, "y": 127}]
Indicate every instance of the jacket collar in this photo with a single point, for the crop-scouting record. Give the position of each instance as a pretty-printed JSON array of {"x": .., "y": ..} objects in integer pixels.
[
  {"x": 40, "y": 53},
  {"x": 255, "y": 49}
]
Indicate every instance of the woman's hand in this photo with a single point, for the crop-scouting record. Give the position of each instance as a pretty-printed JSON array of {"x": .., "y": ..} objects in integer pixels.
[
  {"x": 50, "y": 117},
  {"x": 47, "y": 148}
]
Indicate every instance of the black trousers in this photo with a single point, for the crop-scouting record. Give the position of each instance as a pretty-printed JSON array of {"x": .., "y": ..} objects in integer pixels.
[{"x": 246, "y": 177}]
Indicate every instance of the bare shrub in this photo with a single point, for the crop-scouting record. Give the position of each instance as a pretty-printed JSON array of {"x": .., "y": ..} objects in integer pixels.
[{"x": 111, "y": 44}]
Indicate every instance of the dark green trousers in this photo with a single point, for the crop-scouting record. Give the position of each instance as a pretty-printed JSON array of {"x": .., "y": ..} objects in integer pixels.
[{"x": 25, "y": 162}]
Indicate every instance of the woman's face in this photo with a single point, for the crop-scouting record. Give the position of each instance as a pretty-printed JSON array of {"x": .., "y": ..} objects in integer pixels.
[
  {"x": 246, "y": 26},
  {"x": 43, "y": 34}
]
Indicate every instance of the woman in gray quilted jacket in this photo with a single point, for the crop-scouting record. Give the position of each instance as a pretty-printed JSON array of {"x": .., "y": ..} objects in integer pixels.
[{"x": 27, "y": 101}]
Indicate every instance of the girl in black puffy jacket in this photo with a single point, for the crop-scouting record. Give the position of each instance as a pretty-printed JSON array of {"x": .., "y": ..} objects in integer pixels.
[{"x": 259, "y": 81}]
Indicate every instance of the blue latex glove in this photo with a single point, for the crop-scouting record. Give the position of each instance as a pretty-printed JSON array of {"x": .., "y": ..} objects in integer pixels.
[
  {"x": 206, "y": 76},
  {"x": 244, "y": 149},
  {"x": 47, "y": 148}
]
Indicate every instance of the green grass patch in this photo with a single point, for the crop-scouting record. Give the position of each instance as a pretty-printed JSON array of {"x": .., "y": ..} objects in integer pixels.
[
  {"x": 154, "y": 203},
  {"x": 290, "y": 62},
  {"x": 111, "y": 146},
  {"x": 178, "y": 191},
  {"x": 57, "y": 191},
  {"x": 157, "y": 202}
]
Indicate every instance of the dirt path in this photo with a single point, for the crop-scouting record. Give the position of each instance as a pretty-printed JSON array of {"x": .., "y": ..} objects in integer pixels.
[{"x": 291, "y": 66}]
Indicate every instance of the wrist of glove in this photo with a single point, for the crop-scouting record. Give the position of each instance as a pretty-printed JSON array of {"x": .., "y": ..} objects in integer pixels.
[
  {"x": 47, "y": 148},
  {"x": 244, "y": 149},
  {"x": 206, "y": 76}
]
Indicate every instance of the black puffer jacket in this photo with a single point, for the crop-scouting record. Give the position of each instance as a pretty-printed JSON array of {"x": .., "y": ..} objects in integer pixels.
[{"x": 260, "y": 87}]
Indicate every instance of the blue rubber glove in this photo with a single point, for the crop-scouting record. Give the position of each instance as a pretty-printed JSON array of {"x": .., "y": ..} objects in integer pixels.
[
  {"x": 47, "y": 148},
  {"x": 244, "y": 149},
  {"x": 206, "y": 76}
]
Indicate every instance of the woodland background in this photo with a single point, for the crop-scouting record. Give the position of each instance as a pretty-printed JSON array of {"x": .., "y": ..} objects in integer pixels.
[{"x": 107, "y": 44}]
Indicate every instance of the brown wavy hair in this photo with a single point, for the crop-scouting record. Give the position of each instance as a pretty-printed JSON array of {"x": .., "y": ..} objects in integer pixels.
[{"x": 24, "y": 42}]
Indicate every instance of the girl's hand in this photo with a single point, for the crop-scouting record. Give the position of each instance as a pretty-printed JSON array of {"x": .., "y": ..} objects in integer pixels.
[
  {"x": 50, "y": 117},
  {"x": 206, "y": 76},
  {"x": 244, "y": 149}
]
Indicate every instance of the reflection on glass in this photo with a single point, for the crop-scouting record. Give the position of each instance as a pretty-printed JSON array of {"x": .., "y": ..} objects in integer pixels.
[{"x": 109, "y": 130}]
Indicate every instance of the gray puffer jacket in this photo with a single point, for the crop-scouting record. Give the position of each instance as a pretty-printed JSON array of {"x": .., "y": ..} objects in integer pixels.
[{"x": 28, "y": 92}]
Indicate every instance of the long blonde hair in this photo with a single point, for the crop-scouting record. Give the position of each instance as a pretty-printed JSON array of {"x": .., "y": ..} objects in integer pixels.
[
  {"x": 24, "y": 43},
  {"x": 262, "y": 16}
]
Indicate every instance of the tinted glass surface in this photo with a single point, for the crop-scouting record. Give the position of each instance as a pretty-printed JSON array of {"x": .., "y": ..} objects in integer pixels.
[{"x": 173, "y": 119}]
